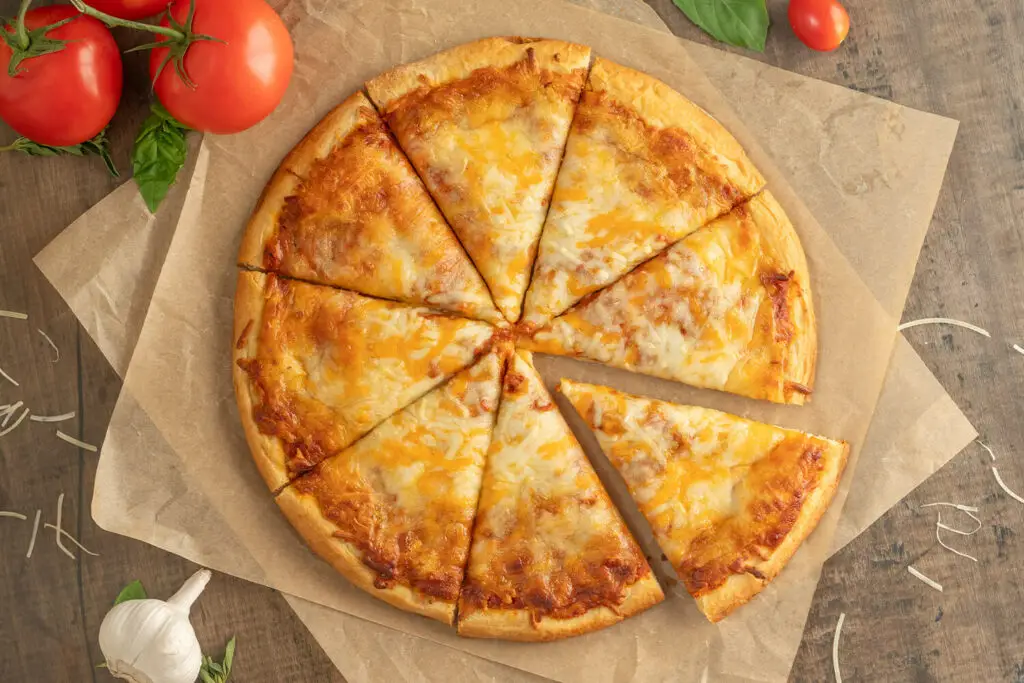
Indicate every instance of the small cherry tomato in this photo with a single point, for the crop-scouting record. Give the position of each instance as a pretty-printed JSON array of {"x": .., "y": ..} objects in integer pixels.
[
  {"x": 66, "y": 96},
  {"x": 234, "y": 81},
  {"x": 130, "y": 9},
  {"x": 819, "y": 24}
]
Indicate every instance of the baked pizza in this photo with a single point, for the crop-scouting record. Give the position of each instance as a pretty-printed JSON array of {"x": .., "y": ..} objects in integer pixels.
[
  {"x": 485, "y": 125},
  {"x": 394, "y": 511},
  {"x": 317, "y": 367},
  {"x": 345, "y": 208},
  {"x": 729, "y": 500},
  {"x": 727, "y": 308},
  {"x": 551, "y": 556},
  {"x": 643, "y": 168}
]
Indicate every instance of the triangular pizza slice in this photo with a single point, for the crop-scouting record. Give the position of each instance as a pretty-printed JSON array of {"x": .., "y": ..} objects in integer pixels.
[
  {"x": 393, "y": 512},
  {"x": 727, "y": 308},
  {"x": 729, "y": 500},
  {"x": 345, "y": 208},
  {"x": 551, "y": 556},
  {"x": 643, "y": 168},
  {"x": 317, "y": 367},
  {"x": 485, "y": 125}
]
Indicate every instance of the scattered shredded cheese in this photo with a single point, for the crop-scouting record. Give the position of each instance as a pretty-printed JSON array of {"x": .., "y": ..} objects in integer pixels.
[
  {"x": 931, "y": 582},
  {"x": 1018, "y": 349},
  {"x": 75, "y": 442},
  {"x": 835, "y": 647},
  {"x": 35, "y": 531},
  {"x": 8, "y": 378},
  {"x": 8, "y": 412},
  {"x": 60, "y": 514},
  {"x": 17, "y": 422},
  {"x": 52, "y": 345},
  {"x": 14, "y": 314},
  {"x": 53, "y": 418},
  {"x": 70, "y": 538},
  {"x": 1002, "y": 485},
  {"x": 16, "y": 515},
  {"x": 944, "y": 321},
  {"x": 990, "y": 453},
  {"x": 940, "y": 526}
]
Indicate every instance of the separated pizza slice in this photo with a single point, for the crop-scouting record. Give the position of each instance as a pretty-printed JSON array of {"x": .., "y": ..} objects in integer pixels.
[
  {"x": 485, "y": 125},
  {"x": 643, "y": 168},
  {"x": 393, "y": 512},
  {"x": 317, "y": 367},
  {"x": 729, "y": 500},
  {"x": 551, "y": 556},
  {"x": 727, "y": 308},
  {"x": 345, "y": 208}
]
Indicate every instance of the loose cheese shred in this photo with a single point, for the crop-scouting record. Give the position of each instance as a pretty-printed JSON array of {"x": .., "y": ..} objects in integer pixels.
[
  {"x": 15, "y": 515},
  {"x": 14, "y": 426},
  {"x": 1018, "y": 349},
  {"x": 52, "y": 345},
  {"x": 53, "y": 418},
  {"x": 35, "y": 532},
  {"x": 939, "y": 526},
  {"x": 70, "y": 538},
  {"x": 990, "y": 453},
  {"x": 8, "y": 378},
  {"x": 8, "y": 411},
  {"x": 944, "y": 321},
  {"x": 60, "y": 515},
  {"x": 931, "y": 582},
  {"x": 14, "y": 314},
  {"x": 1002, "y": 485},
  {"x": 75, "y": 442},
  {"x": 835, "y": 648}
]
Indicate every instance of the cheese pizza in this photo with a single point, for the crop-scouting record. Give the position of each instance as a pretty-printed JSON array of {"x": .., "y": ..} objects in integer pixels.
[
  {"x": 345, "y": 208},
  {"x": 317, "y": 367},
  {"x": 643, "y": 168},
  {"x": 394, "y": 511},
  {"x": 485, "y": 125},
  {"x": 551, "y": 556},
  {"x": 729, "y": 500},
  {"x": 727, "y": 308}
]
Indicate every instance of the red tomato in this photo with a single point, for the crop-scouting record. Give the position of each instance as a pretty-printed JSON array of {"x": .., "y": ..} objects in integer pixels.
[
  {"x": 819, "y": 24},
  {"x": 237, "y": 83},
  {"x": 65, "y": 97},
  {"x": 130, "y": 9}
]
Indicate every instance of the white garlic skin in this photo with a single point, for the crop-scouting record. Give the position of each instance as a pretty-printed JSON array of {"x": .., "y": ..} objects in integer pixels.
[{"x": 152, "y": 641}]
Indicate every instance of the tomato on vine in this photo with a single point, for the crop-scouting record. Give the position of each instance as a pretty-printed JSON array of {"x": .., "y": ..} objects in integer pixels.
[{"x": 130, "y": 9}]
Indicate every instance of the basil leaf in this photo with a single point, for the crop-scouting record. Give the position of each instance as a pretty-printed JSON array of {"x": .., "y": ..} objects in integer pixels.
[
  {"x": 229, "y": 657},
  {"x": 159, "y": 153},
  {"x": 98, "y": 146},
  {"x": 743, "y": 23},
  {"x": 133, "y": 591}
]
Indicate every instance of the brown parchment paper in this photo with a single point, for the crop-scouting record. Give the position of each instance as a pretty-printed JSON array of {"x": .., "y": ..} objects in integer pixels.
[{"x": 204, "y": 209}]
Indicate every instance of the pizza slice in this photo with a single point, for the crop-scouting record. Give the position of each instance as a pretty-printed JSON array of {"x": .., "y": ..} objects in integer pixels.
[
  {"x": 393, "y": 512},
  {"x": 485, "y": 125},
  {"x": 345, "y": 208},
  {"x": 729, "y": 500},
  {"x": 643, "y": 168},
  {"x": 727, "y": 308},
  {"x": 551, "y": 556},
  {"x": 317, "y": 367}
]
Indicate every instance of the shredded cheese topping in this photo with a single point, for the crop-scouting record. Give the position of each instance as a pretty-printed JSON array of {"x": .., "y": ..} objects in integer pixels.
[
  {"x": 835, "y": 647},
  {"x": 71, "y": 538},
  {"x": 57, "y": 527},
  {"x": 75, "y": 442},
  {"x": 943, "y": 321},
  {"x": 1018, "y": 349},
  {"x": 53, "y": 418},
  {"x": 15, "y": 515},
  {"x": 8, "y": 378},
  {"x": 52, "y": 345},
  {"x": 35, "y": 532},
  {"x": 14, "y": 314},
  {"x": 1004, "y": 487},
  {"x": 940, "y": 526},
  {"x": 934, "y": 584},
  {"x": 17, "y": 422},
  {"x": 990, "y": 453}
]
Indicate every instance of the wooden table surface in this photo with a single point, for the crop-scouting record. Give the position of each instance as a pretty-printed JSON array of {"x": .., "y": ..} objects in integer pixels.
[{"x": 962, "y": 60}]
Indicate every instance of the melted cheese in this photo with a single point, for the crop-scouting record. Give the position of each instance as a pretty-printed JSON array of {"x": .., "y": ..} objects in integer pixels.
[
  {"x": 332, "y": 364},
  {"x": 488, "y": 143},
  {"x": 720, "y": 492},
  {"x": 700, "y": 313},
  {"x": 360, "y": 218},
  {"x": 405, "y": 495},
  {"x": 546, "y": 532},
  {"x": 630, "y": 185}
]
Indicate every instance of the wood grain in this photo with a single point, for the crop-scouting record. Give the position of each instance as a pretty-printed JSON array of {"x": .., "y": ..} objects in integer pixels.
[{"x": 962, "y": 60}]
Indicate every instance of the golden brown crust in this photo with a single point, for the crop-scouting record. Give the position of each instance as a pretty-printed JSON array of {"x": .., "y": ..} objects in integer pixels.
[
  {"x": 518, "y": 624},
  {"x": 304, "y": 514}
]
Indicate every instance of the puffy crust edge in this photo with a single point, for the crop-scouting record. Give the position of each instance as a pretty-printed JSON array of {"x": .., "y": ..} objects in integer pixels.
[
  {"x": 303, "y": 512},
  {"x": 462, "y": 60},
  {"x": 515, "y": 624}
]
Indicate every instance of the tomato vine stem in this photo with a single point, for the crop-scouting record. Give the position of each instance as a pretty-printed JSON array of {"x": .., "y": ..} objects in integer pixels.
[
  {"x": 20, "y": 27},
  {"x": 125, "y": 23}
]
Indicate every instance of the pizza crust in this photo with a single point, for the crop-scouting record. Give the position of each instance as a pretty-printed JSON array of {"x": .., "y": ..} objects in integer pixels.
[
  {"x": 460, "y": 61},
  {"x": 738, "y": 589},
  {"x": 303, "y": 513},
  {"x": 515, "y": 624}
]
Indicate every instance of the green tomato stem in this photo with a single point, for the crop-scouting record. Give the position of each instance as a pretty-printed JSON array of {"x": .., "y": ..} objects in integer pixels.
[
  {"x": 115, "y": 21},
  {"x": 20, "y": 28},
  {"x": 8, "y": 148}
]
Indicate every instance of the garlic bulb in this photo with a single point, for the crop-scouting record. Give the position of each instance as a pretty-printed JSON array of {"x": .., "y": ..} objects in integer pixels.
[{"x": 152, "y": 641}]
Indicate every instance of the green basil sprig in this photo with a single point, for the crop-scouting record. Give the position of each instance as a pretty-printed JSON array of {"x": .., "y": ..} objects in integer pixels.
[
  {"x": 158, "y": 155},
  {"x": 743, "y": 23}
]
